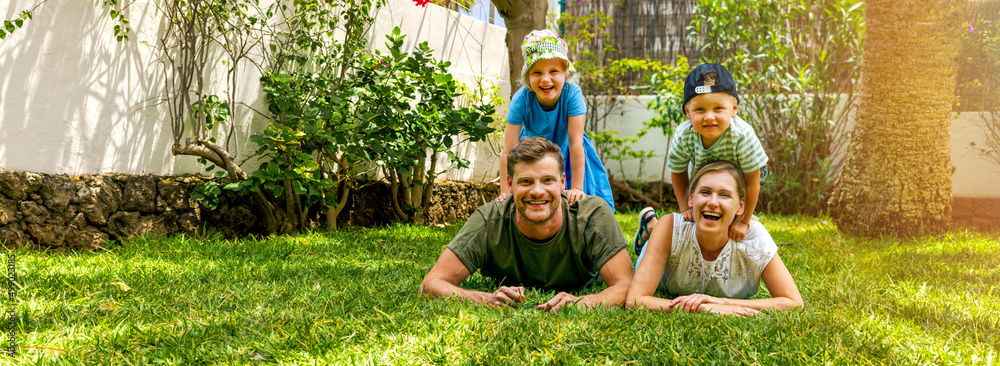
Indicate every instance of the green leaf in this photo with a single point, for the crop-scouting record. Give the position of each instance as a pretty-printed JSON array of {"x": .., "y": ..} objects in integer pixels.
[
  {"x": 9, "y": 26},
  {"x": 310, "y": 165},
  {"x": 311, "y": 112},
  {"x": 299, "y": 189},
  {"x": 275, "y": 189},
  {"x": 3, "y": 35},
  {"x": 442, "y": 78}
]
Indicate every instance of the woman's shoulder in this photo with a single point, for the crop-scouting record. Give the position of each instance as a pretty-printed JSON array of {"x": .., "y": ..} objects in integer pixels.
[
  {"x": 757, "y": 245},
  {"x": 683, "y": 231}
]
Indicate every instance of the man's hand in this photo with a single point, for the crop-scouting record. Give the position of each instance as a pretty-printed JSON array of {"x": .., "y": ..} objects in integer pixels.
[
  {"x": 574, "y": 194},
  {"x": 738, "y": 230},
  {"x": 502, "y": 197},
  {"x": 505, "y": 296},
  {"x": 688, "y": 216},
  {"x": 559, "y": 302}
]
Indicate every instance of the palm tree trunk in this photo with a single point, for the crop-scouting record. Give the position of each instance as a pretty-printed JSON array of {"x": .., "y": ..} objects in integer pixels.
[{"x": 896, "y": 178}]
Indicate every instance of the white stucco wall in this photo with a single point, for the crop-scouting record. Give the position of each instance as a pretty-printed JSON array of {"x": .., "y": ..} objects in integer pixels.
[
  {"x": 475, "y": 49},
  {"x": 974, "y": 176},
  {"x": 75, "y": 101}
]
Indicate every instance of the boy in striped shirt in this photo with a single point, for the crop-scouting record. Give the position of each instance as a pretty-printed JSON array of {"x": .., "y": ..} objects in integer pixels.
[{"x": 714, "y": 132}]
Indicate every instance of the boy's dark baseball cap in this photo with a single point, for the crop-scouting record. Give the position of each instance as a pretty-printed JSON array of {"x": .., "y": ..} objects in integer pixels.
[{"x": 695, "y": 82}]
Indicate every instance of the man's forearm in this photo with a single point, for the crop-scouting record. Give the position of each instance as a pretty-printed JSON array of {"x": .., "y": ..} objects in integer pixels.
[
  {"x": 441, "y": 288},
  {"x": 611, "y": 297}
]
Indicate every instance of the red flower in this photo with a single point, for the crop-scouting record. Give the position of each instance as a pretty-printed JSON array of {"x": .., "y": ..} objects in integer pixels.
[{"x": 422, "y": 3}]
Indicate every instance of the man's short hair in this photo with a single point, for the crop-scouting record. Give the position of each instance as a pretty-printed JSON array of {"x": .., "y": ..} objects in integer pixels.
[{"x": 530, "y": 150}]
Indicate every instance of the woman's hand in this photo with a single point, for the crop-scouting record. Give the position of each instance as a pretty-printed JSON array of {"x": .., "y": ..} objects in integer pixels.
[
  {"x": 736, "y": 310},
  {"x": 710, "y": 304},
  {"x": 690, "y": 303},
  {"x": 502, "y": 197},
  {"x": 574, "y": 194}
]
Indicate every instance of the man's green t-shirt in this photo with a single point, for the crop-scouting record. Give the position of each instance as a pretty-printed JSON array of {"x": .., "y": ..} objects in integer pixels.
[{"x": 570, "y": 260}]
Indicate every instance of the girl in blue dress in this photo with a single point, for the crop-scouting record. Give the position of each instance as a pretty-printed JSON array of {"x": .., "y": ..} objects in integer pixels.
[{"x": 551, "y": 107}]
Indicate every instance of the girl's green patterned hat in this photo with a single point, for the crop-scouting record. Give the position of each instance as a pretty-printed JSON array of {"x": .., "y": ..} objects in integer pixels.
[{"x": 543, "y": 45}]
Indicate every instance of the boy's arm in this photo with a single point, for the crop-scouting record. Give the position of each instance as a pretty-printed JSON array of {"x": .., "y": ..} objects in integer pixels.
[
  {"x": 680, "y": 185},
  {"x": 738, "y": 230}
]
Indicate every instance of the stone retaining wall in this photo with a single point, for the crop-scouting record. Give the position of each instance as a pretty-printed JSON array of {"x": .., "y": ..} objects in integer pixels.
[
  {"x": 54, "y": 211},
  {"x": 88, "y": 211}
]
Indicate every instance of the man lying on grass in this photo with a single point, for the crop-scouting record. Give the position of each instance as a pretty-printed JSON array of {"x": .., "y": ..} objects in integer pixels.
[
  {"x": 700, "y": 264},
  {"x": 535, "y": 238}
]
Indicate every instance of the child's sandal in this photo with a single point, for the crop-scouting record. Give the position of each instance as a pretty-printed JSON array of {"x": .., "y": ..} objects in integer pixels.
[{"x": 644, "y": 220}]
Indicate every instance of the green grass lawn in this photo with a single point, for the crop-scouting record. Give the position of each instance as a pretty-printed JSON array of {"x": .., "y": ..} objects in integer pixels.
[{"x": 349, "y": 297}]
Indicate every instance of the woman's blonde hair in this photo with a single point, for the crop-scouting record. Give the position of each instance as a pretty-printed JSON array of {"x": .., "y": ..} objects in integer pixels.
[{"x": 722, "y": 166}]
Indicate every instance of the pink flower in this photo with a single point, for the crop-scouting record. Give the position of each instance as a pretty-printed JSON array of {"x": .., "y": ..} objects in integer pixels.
[{"x": 970, "y": 28}]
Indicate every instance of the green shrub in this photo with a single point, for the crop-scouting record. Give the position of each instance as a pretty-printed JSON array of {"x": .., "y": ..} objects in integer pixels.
[
  {"x": 407, "y": 109},
  {"x": 794, "y": 62},
  {"x": 978, "y": 83}
]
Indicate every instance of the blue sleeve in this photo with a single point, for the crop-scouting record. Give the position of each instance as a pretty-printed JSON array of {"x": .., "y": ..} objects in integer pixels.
[
  {"x": 516, "y": 113},
  {"x": 574, "y": 99}
]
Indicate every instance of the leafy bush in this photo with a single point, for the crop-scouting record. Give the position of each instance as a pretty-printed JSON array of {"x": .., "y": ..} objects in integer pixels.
[
  {"x": 668, "y": 87},
  {"x": 978, "y": 84},
  {"x": 397, "y": 111},
  {"x": 602, "y": 76},
  {"x": 407, "y": 108},
  {"x": 308, "y": 150},
  {"x": 794, "y": 63}
]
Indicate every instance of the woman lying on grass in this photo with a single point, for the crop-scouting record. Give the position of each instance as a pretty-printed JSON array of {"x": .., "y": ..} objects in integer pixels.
[{"x": 697, "y": 261}]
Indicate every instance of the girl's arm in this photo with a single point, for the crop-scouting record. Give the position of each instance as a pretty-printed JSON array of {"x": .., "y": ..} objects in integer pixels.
[
  {"x": 647, "y": 276},
  {"x": 511, "y": 136},
  {"x": 577, "y": 161},
  {"x": 784, "y": 293}
]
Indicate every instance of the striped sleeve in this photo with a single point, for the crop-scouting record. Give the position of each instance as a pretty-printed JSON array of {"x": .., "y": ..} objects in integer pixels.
[
  {"x": 679, "y": 154},
  {"x": 749, "y": 151}
]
